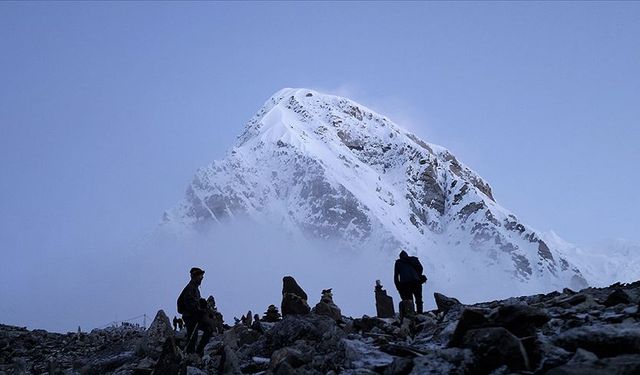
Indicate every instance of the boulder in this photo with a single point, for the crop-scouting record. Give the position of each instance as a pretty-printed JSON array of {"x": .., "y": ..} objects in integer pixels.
[
  {"x": 157, "y": 333},
  {"x": 294, "y": 299},
  {"x": 319, "y": 329},
  {"x": 169, "y": 361},
  {"x": 327, "y": 307},
  {"x": 445, "y": 303},
  {"x": 292, "y": 304},
  {"x": 616, "y": 297},
  {"x": 603, "y": 340},
  {"x": 521, "y": 320},
  {"x": 470, "y": 319},
  {"x": 495, "y": 347},
  {"x": 290, "y": 285}
]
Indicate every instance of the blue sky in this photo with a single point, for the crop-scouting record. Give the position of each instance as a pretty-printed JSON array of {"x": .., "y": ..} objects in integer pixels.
[{"x": 107, "y": 109}]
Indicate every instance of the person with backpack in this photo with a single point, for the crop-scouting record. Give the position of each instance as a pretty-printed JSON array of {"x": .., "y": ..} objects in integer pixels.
[
  {"x": 194, "y": 313},
  {"x": 408, "y": 278}
]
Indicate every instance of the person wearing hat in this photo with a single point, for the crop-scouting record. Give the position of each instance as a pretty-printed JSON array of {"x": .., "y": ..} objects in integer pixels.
[
  {"x": 408, "y": 279},
  {"x": 193, "y": 309}
]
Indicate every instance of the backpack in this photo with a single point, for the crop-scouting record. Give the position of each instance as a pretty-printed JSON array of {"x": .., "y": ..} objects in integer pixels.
[{"x": 181, "y": 307}]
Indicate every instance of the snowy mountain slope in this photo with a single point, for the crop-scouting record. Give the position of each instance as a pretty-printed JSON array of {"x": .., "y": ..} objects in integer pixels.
[
  {"x": 326, "y": 167},
  {"x": 604, "y": 263}
]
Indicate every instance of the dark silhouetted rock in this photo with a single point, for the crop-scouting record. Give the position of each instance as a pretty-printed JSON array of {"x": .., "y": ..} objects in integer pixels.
[
  {"x": 170, "y": 358},
  {"x": 289, "y": 285},
  {"x": 384, "y": 302},
  {"x": 628, "y": 364},
  {"x": 294, "y": 305},
  {"x": 495, "y": 347},
  {"x": 289, "y": 355},
  {"x": 316, "y": 328},
  {"x": 470, "y": 319},
  {"x": 159, "y": 331},
  {"x": 400, "y": 366},
  {"x": 616, "y": 297},
  {"x": 445, "y": 303},
  {"x": 294, "y": 299},
  {"x": 521, "y": 320},
  {"x": 604, "y": 341}
]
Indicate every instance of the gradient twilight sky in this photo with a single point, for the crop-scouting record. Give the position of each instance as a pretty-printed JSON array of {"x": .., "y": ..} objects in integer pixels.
[{"x": 107, "y": 109}]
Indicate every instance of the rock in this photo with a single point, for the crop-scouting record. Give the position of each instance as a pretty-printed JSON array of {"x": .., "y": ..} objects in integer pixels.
[
  {"x": 194, "y": 371},
  {"x": 572, "y": 300},
  {"x": 470, "y": 319},
  {"x": 604, "y": 341},
  {"x": 159, "y": 331},
  {"x": 293, "y": 304},
  {"x": 495, "y": 347},
  {"x": 384, "y": 302},
  {"x": 295, "y": 358},
  {"x": 400, "y": 366},
  {"x": 327, "y": 307},
  {"x": 294, "y": 299},
  {"x": 628, "y": 364},
  {"x": 521, "y": 320},
  {"x": 582, "y": 356},
  {"x": 616, "y": 297},
  {"x": 445, "y": 361},
  {"x": 367, "y": 324},
  {"x": 229, "y": 363},
  {"x": 169, "y": 361},
  {"x": 314, "y": 328},
  {"x": 289, "y": 285},
  {"x": 445, "y": 303}
]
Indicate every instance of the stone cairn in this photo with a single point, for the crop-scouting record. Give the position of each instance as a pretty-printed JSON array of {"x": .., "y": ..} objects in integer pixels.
[
  {"x": 384, "y": 302},
  {"x": 272, "y": 314},
  {"x": 327, "y": 307}
]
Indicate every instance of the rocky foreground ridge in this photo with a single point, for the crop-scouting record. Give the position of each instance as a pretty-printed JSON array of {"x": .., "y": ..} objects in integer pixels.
[{"x": 593, "y": 331}]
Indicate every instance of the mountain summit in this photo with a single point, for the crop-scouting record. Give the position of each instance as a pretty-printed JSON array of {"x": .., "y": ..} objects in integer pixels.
[{"x": 326, "y": 167}]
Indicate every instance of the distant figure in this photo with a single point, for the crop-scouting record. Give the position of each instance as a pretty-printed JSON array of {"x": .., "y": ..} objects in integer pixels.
[
  {"x": 177, "y": 324},
  {"x": 194, "y": 313},
  {"x": 256, "y": 325},
  {"x": 408, "y": 279}
]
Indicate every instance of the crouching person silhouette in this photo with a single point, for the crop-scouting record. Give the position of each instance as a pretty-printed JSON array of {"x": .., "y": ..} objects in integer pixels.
[{"x": 194, "y": 313}]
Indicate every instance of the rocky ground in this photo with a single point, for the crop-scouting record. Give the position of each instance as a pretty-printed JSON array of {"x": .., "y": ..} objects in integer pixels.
[{"x": 593, "y": 331}]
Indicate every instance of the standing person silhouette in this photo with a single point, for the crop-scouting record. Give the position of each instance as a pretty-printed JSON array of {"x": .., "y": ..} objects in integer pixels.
[
  {"x": 408, "y": 278},
  {"x": 194, "y": 313}
]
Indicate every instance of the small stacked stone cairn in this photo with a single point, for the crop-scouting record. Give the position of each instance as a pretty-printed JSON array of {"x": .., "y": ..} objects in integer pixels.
[
  {"x": 272, "y": 314},
  {"x": 327, "y": 307}
]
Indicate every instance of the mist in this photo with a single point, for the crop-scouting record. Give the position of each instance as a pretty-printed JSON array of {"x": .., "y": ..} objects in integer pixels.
[{"x": 110, "y": 282}]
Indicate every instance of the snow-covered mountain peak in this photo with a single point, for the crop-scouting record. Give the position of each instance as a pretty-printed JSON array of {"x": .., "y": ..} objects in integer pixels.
[{"x": 327, "y": 167}]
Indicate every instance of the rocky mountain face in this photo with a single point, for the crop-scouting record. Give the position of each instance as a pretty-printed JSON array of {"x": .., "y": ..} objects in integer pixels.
[
  {"x": 326, "y": 167},
  {"x": 592, "y": 331}
]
